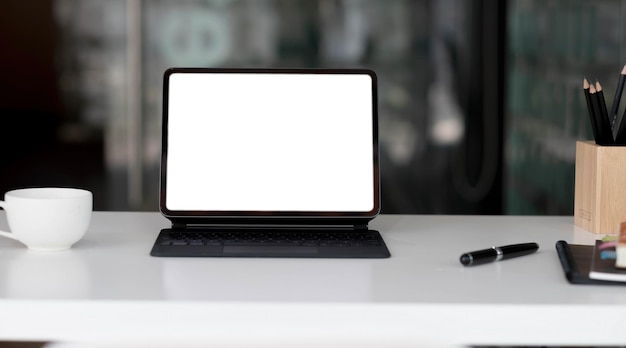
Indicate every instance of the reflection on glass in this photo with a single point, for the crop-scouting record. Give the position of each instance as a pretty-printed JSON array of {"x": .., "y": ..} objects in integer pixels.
[
  {"x": 419, "y": 114},
  {"x": 552, "y": 46}
]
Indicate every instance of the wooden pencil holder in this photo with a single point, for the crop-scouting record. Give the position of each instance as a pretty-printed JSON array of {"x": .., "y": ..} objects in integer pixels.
[{"x": 600, "y": 187}]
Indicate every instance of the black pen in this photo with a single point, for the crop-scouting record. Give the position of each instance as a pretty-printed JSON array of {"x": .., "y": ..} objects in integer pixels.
[{"x": 498, "y": 253}]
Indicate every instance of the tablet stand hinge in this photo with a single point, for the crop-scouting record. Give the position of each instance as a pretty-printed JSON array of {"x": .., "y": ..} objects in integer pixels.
[
  {"x": 179, "y": 225},
  {"x": 360, "y": 227}
]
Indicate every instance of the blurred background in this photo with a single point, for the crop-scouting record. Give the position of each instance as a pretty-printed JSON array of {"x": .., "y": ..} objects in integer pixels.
[{"x": 481, "y": 102}]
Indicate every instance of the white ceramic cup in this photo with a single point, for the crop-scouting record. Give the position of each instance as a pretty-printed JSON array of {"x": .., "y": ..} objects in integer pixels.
[{"x": 47, "y": 218}]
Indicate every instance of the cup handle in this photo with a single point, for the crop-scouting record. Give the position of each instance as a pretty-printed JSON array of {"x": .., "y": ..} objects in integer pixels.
[{"x": 3, "y": 233}]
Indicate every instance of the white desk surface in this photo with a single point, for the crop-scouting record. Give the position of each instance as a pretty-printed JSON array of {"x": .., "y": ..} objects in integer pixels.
[{"x": 108, "y": 288}]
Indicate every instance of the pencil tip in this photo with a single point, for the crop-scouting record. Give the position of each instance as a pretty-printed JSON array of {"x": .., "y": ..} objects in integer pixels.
[
  {"x": 592, "y": 89},
  {"x": 598, "y": 86},
  {"x": 585, "y": 83},
  {"x": 624, "y": 70}
]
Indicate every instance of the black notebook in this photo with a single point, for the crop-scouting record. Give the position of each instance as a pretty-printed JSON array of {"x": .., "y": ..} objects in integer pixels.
[
  {"x": 576, "y": 262},
  {"x": 270, "y": 163}
]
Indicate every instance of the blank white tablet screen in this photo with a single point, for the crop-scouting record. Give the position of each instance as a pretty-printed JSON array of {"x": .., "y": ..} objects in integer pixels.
[{"x": 270, "y": 142}]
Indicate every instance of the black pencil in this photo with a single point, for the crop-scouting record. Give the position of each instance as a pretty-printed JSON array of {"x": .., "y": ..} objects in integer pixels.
[
  {"x": 620, "y": 137},
  {"x": 592, "y": 115},
  {"x": 602, "y": 121},
  {"x": 618, "y": 97},
  {"x": 603, "y": 110}
]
